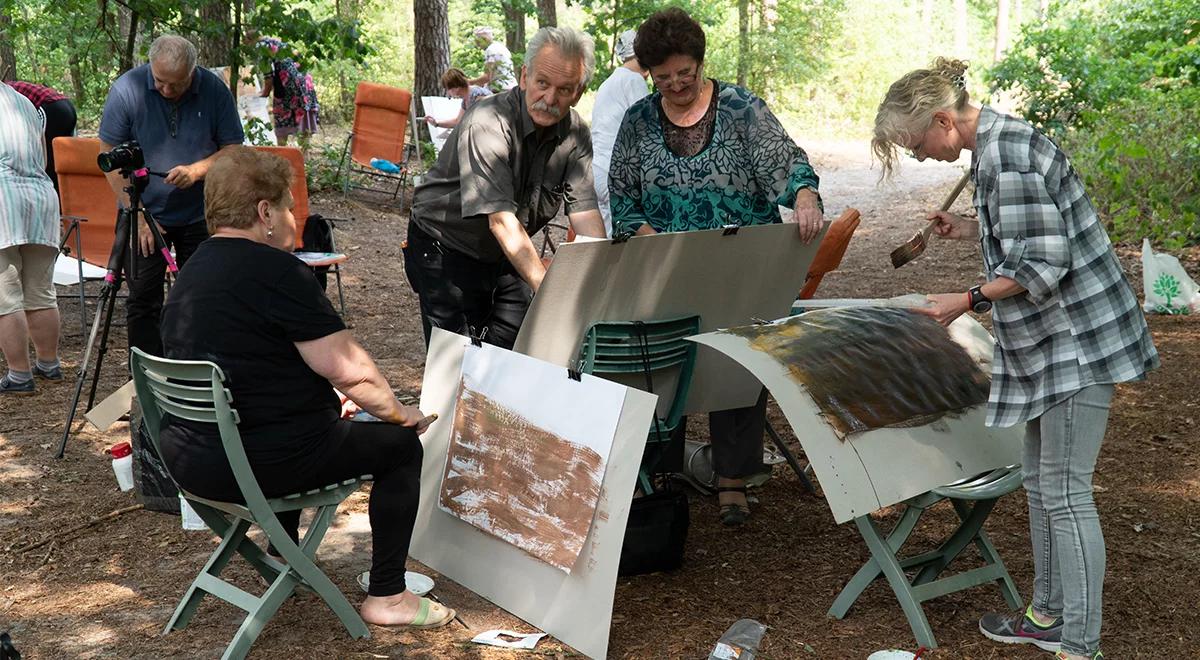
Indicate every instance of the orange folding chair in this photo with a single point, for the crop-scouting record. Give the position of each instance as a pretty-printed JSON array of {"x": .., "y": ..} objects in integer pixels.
[
  {"x": 381, "y": 115},
  {"x": 301, "y": 211},
  {"x": 88, "y": 206}
]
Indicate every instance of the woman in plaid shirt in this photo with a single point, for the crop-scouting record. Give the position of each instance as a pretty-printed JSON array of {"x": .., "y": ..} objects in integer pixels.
[{"x": 1067, "y": 326}]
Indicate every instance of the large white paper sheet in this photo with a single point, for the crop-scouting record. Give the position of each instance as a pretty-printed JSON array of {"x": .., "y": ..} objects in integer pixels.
[
  {"x": 66, "y": 271},
  {"x": 881, "y": 467},
  {"x": 575, "y": 608},
  {"x": 726, "y": 279},
  {"x": 528, "y": 451},
  {"x": 440, "y": 108}
]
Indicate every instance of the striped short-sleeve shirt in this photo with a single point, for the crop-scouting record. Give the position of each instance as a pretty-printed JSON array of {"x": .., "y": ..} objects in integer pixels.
[
  {"x": 1078, "y": 323},
  {"x": 28, "y": 205}
]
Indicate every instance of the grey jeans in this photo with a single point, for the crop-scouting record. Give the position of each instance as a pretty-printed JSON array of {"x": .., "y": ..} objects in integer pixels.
[{"x": 1058, "y": 460}]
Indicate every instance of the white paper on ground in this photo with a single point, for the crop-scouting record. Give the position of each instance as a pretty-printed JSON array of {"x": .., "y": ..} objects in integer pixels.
[
  {"x": 66, "y": 271},
  {"x": 496, "y": 638},
  {"x": 728, "y": 280},
  {"x": 107, "y": 412},
  {"x": 575, "y": 608},
  {"x": 885, "y": 466}
]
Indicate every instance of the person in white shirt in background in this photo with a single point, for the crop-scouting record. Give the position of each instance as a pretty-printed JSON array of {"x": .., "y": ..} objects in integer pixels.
[
  {"x": 626, "y": 85},
  {"x": 498, "y": 72}
]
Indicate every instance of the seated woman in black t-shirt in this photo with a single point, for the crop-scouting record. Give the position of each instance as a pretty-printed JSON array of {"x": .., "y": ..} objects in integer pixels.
[{"x": 245, "y": 303}]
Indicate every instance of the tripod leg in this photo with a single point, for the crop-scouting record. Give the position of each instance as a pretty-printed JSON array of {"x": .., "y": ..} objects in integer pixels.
[
  {"x": 108, "y": 296},
  {"x": 108, "y": 315}
]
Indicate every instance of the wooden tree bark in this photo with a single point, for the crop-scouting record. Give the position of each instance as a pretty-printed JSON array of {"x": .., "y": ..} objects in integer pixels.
[
  {"x": 514, "y": 26},
  {"x": 1002, "y": 11},
  {"x": 961, "y": 41},
  {"x": 431, "y": 46},
  {"x": 8, "y": 56},
  {"x": 129, "y": 25},
  {"x": 743, "y": 57},
  {"x": 547, "y": 13},
  {"x": 79, "y": 96},
  {"x": 213, "y": 43}
]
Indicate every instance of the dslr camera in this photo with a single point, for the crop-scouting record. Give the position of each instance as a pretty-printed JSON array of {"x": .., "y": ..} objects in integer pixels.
[{"x": 124, "y": 156}]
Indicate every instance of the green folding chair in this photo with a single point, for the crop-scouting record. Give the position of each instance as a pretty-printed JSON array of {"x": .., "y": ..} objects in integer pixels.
[
  {"x": 633, "y": 351},
  {"x": 984, "y": 490},
  {"x": 196, "y": 391}
]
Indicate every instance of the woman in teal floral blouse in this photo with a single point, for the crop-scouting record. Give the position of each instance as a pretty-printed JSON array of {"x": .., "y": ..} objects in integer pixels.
[{"x": 702, "y": 154}]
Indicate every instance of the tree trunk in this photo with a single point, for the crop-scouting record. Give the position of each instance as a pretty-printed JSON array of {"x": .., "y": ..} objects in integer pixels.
[
  {"x": 215, "y": 26},
  {"x": 743, "y": 59},
  {"x": 347, "y": 9},
  {"x": 547, "y": 13},
  {"x": 431, "y": 46},
  {"x": 514, "y": 26},
  {"x": 8, "y": 56},
  {"x": 130, "y": 43},
  {"x": 961, "y": 42},
  {"x": 1002, "y": 9},
  {"x": 76, "y": 78}
]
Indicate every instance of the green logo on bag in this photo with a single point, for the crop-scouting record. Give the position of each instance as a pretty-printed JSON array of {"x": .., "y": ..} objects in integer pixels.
[{"x": 1167, "y": 286}]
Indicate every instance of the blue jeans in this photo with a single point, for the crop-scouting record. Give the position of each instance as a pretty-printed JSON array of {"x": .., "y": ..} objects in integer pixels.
[{"x": 1058, "y": 460}]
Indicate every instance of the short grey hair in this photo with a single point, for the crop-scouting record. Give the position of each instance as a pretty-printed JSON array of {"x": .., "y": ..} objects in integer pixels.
[
  {"x": 570, "y": 42},
  {"x": 174, "y": 50}
]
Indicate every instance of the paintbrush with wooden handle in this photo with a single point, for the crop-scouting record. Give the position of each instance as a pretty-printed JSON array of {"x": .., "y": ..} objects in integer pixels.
[{"x": 916, "y": 245}]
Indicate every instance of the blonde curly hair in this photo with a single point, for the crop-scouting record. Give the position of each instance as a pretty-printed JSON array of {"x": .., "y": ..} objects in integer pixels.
[{"x": 908, "y": 107}]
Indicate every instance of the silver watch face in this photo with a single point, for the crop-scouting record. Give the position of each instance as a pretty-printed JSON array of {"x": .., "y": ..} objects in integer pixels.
[{"x": 982, "y": 307}]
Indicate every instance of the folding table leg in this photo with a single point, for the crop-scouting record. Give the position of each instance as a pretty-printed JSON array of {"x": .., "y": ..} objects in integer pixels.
[
  {"x": 871, "y": 570},
  {"x": 791, "y": 459},
  {"x": 885, "y": 556},
  {"x": 992, "y": 558}
]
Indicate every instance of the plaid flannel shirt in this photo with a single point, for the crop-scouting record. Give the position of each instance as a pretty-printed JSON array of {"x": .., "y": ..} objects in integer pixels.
[
  {"x": 38, "y": 95},
  {"x": 1079, "y": 323}
]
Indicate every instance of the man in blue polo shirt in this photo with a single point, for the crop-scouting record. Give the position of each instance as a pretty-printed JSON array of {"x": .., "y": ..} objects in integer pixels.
[{"x": 182, "y": 116}]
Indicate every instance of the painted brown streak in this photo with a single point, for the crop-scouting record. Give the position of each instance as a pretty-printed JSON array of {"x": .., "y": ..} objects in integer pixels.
[
  {"x": 872, "y": 367},
  {"x": 520, "y": 482}
]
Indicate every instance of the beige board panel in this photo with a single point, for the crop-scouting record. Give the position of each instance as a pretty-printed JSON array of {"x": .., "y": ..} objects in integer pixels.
[
  {"x": 576, "y": 608},
  {"x": 725, "y": 279},
  {"x": 878, "y": 468}
]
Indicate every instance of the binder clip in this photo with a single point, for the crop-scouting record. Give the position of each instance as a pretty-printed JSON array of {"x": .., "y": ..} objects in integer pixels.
[
  {"x": 477, "y": 340},
  {"x": 574, "y": 374},
  {"x": 730, "y": 230},
  {"x": 622, "y": 237}
]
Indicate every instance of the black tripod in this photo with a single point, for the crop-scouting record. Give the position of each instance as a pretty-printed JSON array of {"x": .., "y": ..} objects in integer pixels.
[{"x": 124, "y": 243}]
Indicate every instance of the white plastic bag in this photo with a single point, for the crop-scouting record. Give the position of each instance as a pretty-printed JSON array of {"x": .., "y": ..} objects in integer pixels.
[{"x": 1169, "y": 289}]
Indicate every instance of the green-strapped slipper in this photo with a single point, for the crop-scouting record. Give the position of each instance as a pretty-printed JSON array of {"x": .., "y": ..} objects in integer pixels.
[{"x": 431, "y": 615}]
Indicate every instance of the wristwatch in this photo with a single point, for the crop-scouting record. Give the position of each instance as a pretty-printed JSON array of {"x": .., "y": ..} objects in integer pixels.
[{"x": 980, "y": 304}]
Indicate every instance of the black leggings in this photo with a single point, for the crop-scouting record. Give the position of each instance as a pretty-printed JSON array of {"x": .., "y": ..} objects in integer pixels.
[{"x": 392, "y": 454}]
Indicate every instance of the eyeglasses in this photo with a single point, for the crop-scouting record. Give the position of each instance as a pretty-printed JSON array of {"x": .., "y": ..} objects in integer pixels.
[
  {"x": 682, "y": 79},
  {"x": 912, "y": 152}
]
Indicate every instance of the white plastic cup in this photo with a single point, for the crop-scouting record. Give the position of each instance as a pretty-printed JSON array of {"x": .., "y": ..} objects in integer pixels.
[
  {"x": 188, "y": 517},
  {"x": 122, "y": 463}
]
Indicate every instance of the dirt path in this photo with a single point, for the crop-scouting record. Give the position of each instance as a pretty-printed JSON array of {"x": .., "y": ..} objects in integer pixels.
[{"x": 107, "y": 592}]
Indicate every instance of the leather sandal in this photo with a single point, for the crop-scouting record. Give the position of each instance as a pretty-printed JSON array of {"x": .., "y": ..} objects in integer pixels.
[
  {"x": 431, "y": 615},
  {"x": 734, "y": 515}
]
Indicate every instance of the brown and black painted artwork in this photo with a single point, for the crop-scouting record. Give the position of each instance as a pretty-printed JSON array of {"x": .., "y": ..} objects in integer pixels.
[
  {"x": 873, "y": 367},
  {"x": 521, "y": 483}
]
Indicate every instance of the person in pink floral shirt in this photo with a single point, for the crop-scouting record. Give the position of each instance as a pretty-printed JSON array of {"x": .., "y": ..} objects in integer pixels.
[{"x": 296, "y": 109}]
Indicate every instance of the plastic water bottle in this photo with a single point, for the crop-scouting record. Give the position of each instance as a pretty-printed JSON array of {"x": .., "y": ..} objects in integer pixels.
[
  {"x": 740, "y": 642},
  {"x": 188, "y": 517},
  {"x": 384, "y": 165},
  {"x": 122, "y": 455}
]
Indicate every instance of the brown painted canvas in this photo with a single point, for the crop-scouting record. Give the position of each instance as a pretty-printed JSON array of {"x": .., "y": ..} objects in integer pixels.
[
  {"x": 520, "y": 482},
  {"x": 873, "y": 367}
]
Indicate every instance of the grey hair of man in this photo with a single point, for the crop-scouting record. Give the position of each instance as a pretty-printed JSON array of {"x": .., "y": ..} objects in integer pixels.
[
  {"x": 570, "y": 42},
  {"x": 175, "y": 52}
]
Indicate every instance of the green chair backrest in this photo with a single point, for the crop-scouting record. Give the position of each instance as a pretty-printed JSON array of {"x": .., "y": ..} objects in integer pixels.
[
  {"x": 194, "y": 390},
  {"x": 625, "y": 350}
]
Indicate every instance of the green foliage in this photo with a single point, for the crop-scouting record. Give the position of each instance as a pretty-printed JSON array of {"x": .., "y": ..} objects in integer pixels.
[
  {"x": 1088, "y": 57},
  {"x": 1139, "y": 161},
  {"x": 1116, "y": 82},
  {"x": 322, "y": 167},
  {"x": 259, "y": 132}
]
